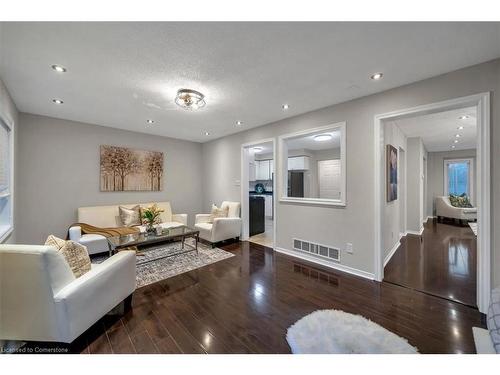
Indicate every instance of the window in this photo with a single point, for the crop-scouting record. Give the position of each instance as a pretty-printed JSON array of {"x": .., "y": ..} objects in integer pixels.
[
  {"x": 458, "y": 178},
  {"x": 313, "y": 166},
  {"x": 6, "y": 223}
]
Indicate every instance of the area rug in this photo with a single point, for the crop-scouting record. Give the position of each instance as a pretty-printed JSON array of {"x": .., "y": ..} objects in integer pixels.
[
  {"x": 149, "y": 273},
  {"x": 338, "y": 332}
]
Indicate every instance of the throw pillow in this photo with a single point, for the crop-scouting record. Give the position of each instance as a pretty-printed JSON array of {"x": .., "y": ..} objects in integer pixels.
[
  {"x": 493, "y": 318},
  {"x": 218, "y": 212},
  {"x": 130, "y": 216},
  {"x": 461, "y": 201},
  {"x": 76, "y": 255}
]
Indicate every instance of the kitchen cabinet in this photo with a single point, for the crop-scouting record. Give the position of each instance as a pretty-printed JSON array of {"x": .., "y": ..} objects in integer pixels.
[
  {"x": 269, "y": 205},
  {"x": 263, "y": 169},
  {"x": 298, "y": 163},
  {"x": 251, "y": 171}
]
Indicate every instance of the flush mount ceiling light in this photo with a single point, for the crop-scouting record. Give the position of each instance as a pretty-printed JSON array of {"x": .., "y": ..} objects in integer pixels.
[
  {"x": 457, "y": 135},
  {"x": 190, "y": 99},
  {"x": 258, "y": 149},
  {"x": 377, "y": 76},
  {"x": 59, "y": 68},
  {"x": 460, "y": 128},
  {"x": 207, "y": 134},
  {"x": 285, "y": 106},
  {"x": 455, "y": 141},
  {"x": 57, "y": 101},
  {"x": 239, "y": 123},
  {"x": 452, "y": 146},
  {"x": 464, "y": 117},
  {"x": 149, "y": 121},
  {"x": 322, "y": 137}
]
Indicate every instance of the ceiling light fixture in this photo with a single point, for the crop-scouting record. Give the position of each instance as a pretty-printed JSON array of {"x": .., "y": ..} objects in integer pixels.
[
  {"x": 457, "y": 135},
  {"x": 59, "y": 68},
  {"x": 455, "y": 141},
  {"x": 377, "y": 76},
  {"x": 464, "y": 117},
  {"x": 258, "y": 149},
  {"x": 207, "y": 134},
  {"x": 452, "y": 146},
  {"x": 322, "y": 137},
  {"x": 460, "y": 128},
  {"x": 190, "y": 99},
  {"x": 149, "y": 121},
  {"x": 239, "y": 123},
  {"x": 57, "y": 101},
  {"x": 285, "y": 106}
]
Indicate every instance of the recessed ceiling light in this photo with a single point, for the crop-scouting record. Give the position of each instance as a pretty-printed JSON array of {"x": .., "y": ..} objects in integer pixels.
[
  {"x": 207, "y": 134},
  {"x": 190, "y": 99},
  {"x": 452, "y": 146},
  {"x": 457, "y": 135},
  {"x": 57, "y": 101},
  {"x": 455, "y": 141},
  {"x": 377, "y": 76},
  {"x": 464, "y": 117},
  {"x": 460, "y": 128},
  {"x": 285, "y": 106},
  {"x": 239, "y": 123},
  {"x": 59, "y": 68},
  {"x": 149, "y": 121},
  {"x": 322, "y": 137},
  {"x": 257, "y": 149}
]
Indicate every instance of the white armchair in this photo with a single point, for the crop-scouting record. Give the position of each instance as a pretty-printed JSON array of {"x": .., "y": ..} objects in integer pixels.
[
  {"x": 444, "y": 208},
  {"x": 222, "y": 228},
  {"x": 41, "y": 300}
]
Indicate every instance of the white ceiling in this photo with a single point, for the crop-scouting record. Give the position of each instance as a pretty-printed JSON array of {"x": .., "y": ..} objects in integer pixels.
[
  {"x": 120, "y": 74},
  {"x": 308, "y": 143},
  {"x": 438, "y": 130}
]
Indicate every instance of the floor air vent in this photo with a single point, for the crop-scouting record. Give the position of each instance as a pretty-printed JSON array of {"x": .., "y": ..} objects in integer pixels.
[{"x": 322, "y": 251}]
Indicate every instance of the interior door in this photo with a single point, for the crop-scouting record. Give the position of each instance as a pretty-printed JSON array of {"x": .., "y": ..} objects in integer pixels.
[{"x": 329, "y": 179}]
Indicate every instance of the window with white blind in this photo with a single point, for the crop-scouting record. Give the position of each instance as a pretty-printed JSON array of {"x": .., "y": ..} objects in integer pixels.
[{"x": 6, "y": 165}]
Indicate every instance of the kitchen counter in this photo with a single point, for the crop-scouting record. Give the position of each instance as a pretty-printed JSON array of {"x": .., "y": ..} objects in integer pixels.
[{"x": 264, "y": 193}]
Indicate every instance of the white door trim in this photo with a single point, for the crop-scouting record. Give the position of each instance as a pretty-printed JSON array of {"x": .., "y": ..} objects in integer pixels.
[
  {"x": 244, "y": 188},
  {"x": 482, "y": 103}
]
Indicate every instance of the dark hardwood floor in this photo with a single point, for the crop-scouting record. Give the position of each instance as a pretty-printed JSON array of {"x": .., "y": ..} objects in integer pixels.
[
  {"x": 245, "y": 304},
  {"x": 441, "y": 262}
]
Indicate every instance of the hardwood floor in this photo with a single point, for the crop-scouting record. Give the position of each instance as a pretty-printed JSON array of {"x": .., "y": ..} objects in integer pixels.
[
  {"x": 441, "y": 262},
  {"x": 245, "y": 304}
]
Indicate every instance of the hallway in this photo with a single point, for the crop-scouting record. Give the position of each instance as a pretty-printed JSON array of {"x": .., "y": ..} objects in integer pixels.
[{"x": 442, "y": 262}]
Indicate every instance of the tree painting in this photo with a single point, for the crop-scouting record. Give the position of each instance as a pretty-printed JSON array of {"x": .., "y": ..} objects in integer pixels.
[{"x": 125, "y": 169}]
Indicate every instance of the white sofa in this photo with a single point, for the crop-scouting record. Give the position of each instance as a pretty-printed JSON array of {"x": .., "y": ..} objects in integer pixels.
[
  {"x": 445, "y": 209},
  {"x": 109, "y": 217},
  {"x": 41, "y": 300},
  {"x": 222, "y": 228}
]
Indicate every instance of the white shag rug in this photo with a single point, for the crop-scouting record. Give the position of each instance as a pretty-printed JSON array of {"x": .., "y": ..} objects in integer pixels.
[{"x": 338, "y": 332}]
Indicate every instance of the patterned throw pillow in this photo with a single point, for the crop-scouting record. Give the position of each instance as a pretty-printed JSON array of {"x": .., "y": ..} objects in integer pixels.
[
  {"x": 130, "y": 216},
  {"x": 218, "y": 212},
  {"x": 493, "y": 318},
  {"x": 461, "y": 201},
  {"x": 75, "y": 254}
]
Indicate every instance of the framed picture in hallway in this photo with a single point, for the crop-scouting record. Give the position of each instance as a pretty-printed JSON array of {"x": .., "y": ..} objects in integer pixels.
[
  {"x": 392, "y": 173},
  {"x": 126, "y": 169}
]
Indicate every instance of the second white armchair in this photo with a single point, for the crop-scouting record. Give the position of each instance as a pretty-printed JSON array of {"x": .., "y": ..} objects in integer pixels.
[{"x": 222, "y": 228}]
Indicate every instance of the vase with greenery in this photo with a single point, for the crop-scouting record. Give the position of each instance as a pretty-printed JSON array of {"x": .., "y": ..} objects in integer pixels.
[{"x": 150, "y": 217}]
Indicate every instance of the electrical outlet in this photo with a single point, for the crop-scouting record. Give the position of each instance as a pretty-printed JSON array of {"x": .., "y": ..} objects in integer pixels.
[
  {"x": 392, "y": 235},
  {"x": 348, "y": 248}
]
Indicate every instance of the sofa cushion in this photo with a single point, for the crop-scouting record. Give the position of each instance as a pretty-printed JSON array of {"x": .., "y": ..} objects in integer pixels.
[
  {"x": 493, "y": 318},
  {"x": 76, "y": 255},
  {"x": 130, "y": 216}
]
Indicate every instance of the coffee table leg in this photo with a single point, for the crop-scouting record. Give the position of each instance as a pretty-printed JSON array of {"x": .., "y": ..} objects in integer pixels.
[
  {"x": 196, "y": 242},
  {"x": 183, "y": 238}
]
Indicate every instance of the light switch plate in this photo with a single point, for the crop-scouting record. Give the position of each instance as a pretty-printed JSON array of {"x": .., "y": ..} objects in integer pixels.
[{"x": 348, "y": 248}]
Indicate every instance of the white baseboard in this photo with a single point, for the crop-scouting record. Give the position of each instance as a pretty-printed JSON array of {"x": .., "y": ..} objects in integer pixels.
[
  {"x": 391, "y": 253},
  {"x": 415, "y": 233},
  {"x": 336, "y": 266}
]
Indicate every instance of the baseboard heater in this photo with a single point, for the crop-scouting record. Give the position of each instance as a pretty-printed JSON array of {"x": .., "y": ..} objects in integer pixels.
[{"x": 322, "y": 251}]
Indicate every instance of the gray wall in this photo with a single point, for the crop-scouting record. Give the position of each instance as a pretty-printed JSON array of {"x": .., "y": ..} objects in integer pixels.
[
  {"x": 415, "y": 155},
  {"x": 334, "y": 225},
  {"x": 435, "y": 171},
  {"x": 8, "y": 112},
  {"x": 59, "y": 172}
]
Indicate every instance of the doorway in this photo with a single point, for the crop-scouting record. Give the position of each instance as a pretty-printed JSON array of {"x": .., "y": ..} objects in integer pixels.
[
  {"x": 258, "y": 188},
  {"x": 481, "y": 104}
]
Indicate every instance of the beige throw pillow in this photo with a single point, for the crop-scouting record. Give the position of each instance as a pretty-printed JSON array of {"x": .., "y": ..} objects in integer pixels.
[
  {"x": 218, "y": 212},
  {"x": 130, "y": 216},
  {"x": 75, "y": 254}
]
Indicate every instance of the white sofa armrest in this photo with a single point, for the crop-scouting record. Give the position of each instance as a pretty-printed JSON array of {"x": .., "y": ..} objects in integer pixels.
[
  {"x": 85, "y": 300},
  {"x": 225, "y": 228},
  {"x": 180, "y": 218},
  {"x": 202, "y": 218},
  {"x": 75, "y": 233}
]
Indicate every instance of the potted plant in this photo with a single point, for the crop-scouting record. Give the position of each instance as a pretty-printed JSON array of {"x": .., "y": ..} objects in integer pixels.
[{"x": 150, "y": 217}]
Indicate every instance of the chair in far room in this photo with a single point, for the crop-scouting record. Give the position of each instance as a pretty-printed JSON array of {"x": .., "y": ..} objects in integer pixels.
[{"x": 220, "y": 229}]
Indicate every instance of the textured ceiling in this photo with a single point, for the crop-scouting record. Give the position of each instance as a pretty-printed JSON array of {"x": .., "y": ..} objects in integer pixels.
[
  {"x": 120, "y": 74},
  {"x": 438, "y": 130}
]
